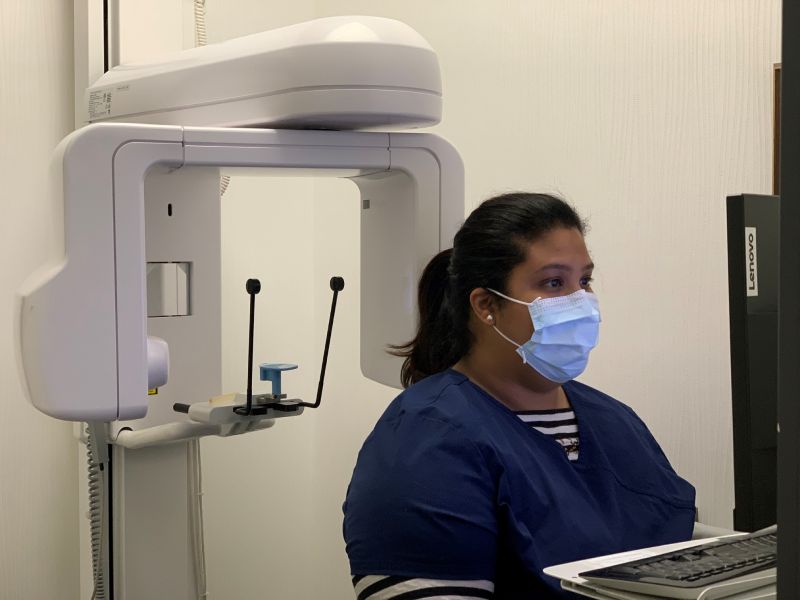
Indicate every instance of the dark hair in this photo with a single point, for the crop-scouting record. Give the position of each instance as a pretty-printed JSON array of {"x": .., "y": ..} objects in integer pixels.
[{"x": 490, "y": 243}]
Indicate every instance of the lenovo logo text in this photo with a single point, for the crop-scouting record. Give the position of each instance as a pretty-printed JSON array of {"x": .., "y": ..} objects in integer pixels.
[{"x": 751, "y": 260}]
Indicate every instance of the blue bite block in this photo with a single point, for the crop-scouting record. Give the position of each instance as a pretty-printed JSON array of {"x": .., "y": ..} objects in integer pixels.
[{"x": 272, "y": 372}]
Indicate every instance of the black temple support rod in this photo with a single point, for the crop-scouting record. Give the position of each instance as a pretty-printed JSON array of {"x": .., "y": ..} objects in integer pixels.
[
  {"x": 253, "y": 287},
  {"x": 337, "y": 285}
]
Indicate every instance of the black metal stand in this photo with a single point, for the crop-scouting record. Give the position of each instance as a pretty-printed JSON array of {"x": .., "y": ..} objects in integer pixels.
[
  {"x": 337, "y": 285},
  {"x": 253, "y": 287}
]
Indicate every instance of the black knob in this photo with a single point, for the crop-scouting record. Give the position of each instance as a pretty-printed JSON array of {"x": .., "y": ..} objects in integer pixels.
[
  {"x": 253, "y": 286},
  {"x": 337, "y": 284}
]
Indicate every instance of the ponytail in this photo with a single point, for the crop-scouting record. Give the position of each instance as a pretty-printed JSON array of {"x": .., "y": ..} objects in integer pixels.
[
  {"x": 436, "y": 346},
  {"x": 491, "y": 242}
]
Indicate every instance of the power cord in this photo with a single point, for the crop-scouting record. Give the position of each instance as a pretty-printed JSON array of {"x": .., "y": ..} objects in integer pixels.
[{"x": 201, "y": 39}]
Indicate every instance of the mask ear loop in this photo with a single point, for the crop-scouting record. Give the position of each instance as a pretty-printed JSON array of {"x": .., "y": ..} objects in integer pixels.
[
  {"x": 503, "y": 335},
  {"x": 513, "y": 299}
]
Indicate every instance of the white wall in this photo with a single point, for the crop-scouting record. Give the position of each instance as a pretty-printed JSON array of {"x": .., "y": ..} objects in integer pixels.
[{"x": 38, "y": 487}]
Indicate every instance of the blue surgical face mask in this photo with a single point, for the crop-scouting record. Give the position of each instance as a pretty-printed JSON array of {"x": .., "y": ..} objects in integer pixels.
[{"x": 565, "y": 329}]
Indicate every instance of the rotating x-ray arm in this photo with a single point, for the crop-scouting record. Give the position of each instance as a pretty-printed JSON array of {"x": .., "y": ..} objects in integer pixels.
[{"x": 82, "y": 332}]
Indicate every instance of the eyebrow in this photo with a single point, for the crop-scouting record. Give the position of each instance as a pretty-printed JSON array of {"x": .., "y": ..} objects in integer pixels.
[{"x": 563, "y": 267}]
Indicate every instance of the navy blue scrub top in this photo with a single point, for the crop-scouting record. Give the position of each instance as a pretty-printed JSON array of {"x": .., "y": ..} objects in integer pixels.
[{"x": 451, "y": 484}]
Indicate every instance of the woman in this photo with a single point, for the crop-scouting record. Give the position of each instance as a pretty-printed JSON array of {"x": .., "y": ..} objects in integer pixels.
[{"x": 494, "y": 464}]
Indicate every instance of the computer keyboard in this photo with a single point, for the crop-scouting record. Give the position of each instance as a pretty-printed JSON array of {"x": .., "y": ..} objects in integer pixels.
[{"x": 686, "y": 573}]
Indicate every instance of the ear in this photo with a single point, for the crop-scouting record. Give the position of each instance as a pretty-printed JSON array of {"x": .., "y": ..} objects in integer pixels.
[{"x": 484, "y": 305}]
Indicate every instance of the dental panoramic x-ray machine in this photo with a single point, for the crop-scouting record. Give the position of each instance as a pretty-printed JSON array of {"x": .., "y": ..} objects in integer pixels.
[{"x": 123, "y": 330}]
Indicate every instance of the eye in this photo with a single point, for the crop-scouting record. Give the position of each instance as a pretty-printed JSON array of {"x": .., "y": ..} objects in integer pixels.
[
  {"x": 553, "y": 284},
  {"x": 586, "y": 281}
]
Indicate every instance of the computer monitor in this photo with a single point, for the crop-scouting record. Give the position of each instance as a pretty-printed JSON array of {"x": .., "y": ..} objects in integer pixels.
[{"x": 753, "y": 272}]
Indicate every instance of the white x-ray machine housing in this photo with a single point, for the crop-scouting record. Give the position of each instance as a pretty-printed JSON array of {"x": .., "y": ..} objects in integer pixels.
[
  {"x": 84, "y": 320},
  {"x": 142, "y": 200}
]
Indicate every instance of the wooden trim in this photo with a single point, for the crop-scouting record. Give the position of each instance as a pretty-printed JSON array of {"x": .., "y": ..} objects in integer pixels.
[{"x": 776, "y": 129}]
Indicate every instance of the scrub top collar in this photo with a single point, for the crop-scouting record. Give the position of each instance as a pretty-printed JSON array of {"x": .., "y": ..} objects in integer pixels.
[{"x": 573, "y": 399}]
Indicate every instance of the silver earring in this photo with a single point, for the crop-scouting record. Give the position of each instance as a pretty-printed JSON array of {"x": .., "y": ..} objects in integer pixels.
[{"x": 490, "y": 318}]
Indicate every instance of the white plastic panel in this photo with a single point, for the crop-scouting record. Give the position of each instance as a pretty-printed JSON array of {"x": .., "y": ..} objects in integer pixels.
[
  {"x": 68, "y": 313},
  {"x": 131, "y": 164},
  {"x": 221, "y": 136},
  {"x": 408, "y": 215},
  {"x": 157, "y": 363},
  {"x": 389, "y": 267},
  {"x": 350, "y": 72},
  {"x": 152, "y": 538},
  {"x": 309, "y": 153},
  {"x": 450, "y": 167},
  {"x": 182, "y": 227},
  {"x": 167, "y": 289}
]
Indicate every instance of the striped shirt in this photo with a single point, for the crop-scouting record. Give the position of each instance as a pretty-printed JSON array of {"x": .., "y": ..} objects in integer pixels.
[
  {"x": 383, "y": 587},
  {"x": 559, "y": 423},
  {"x": 562, "y": 426}
]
